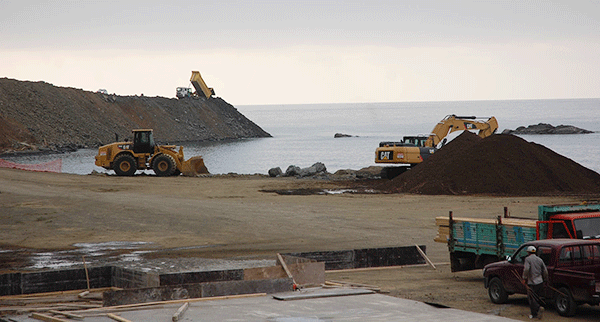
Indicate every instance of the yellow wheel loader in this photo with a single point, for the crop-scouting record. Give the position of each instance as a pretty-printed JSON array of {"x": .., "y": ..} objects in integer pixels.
[
  {"x": 412, "y": 150},
  {"x": 125, "y": 158}
]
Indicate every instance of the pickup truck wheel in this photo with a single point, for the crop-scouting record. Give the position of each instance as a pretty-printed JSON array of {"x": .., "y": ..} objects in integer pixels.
[
  {"x": 163, "y": 165},
  {"x": 565, "y": 304},
  {"x": 125, "y": 165},
  {"x": 497, "y": 292}
]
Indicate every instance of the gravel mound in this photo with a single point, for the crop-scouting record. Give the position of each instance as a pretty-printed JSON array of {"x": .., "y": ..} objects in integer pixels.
[
  {"x": 500, "y": 164},
  {"x": 41, "y": 116}
]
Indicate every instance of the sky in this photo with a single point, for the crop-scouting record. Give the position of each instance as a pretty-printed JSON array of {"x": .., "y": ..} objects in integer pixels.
[{"x": 302, "y": 52}]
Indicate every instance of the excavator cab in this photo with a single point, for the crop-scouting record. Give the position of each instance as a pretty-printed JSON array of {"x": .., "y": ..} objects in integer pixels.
[
  {"x": 143, "y": 141},
  {"x": 415, "y": 140}
]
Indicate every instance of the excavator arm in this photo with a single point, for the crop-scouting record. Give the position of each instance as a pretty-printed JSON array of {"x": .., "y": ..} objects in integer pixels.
[{"x": 453, "y": 123}]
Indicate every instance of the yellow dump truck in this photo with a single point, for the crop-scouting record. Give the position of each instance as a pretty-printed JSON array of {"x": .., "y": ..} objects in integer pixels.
[
  {"x": 125, "y": 158},
  {"x": 200, "y": 85},
  {"x": 202, "y": 90}
]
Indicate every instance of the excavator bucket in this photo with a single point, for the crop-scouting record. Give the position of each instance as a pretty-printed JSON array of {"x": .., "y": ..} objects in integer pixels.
[{"x": 194, "y": 167}]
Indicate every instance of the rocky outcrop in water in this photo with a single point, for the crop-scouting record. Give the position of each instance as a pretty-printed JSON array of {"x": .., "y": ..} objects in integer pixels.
[
  {"x": 342, "y": 135},
  {"x": 543, "y": 128},
  {"x": 41, "y": 116}
]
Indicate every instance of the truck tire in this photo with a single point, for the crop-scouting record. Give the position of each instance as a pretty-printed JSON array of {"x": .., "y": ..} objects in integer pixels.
[
  {"x": 125, "y": 165},
  {"x": 565, "y": 304},
  {"x": 163, "y": 165},
  {"x": 496, "y": 291}
]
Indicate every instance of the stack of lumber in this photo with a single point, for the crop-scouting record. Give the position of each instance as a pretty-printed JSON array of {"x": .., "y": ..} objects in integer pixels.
[
  {"x": 52, "y": 304},
  {"x": 443, "y": 233}
]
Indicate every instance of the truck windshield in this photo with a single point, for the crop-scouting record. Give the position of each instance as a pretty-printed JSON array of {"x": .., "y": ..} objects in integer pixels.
[{"x": 589, "y": 227}]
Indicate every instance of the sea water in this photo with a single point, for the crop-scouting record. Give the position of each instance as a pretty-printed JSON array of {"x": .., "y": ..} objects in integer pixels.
[{"x": 304, "y": 134}]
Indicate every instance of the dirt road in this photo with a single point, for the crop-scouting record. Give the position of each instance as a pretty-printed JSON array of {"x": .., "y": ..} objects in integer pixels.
[{"x": 232, "y": 216}]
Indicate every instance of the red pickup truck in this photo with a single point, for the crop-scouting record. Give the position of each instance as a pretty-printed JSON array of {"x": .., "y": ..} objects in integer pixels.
[{"x": 573, "y": 273}]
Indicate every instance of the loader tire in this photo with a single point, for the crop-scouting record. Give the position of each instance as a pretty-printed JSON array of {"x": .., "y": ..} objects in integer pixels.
[
  {"x": 125, "y": 165},
  {"x": 163, "y": 165}
]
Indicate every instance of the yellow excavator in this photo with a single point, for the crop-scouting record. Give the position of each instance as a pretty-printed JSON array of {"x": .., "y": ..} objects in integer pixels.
[
  {"x": 412, "y": 150},
  {"x": 125, "y": 158}
]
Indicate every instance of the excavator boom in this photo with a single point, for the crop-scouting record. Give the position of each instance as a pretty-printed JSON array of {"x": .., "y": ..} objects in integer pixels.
[{"x": 452, "y": 123}]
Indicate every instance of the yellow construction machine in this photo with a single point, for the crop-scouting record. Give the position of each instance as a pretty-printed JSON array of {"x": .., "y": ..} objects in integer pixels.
[
  {"x": 125, "y": 158},
  {"x": 202, "y": 90},
  {"x": 412, "y": 150}
]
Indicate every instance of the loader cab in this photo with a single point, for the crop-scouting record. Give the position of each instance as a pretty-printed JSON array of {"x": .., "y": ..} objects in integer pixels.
[{"x": 143, "y": 141}]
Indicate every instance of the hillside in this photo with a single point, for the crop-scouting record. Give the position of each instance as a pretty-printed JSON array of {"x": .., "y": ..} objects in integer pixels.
[{"x": 41, "y": 116}]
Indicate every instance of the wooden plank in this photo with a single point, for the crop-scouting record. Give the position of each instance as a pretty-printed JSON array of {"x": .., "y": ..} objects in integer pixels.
[
  {"x": 351, "y": 284},
  {"x": 47, "y": 318},
  {"x": 285, "y": 268},
  {"x": 199, "y": 299},
  {"x": 441, "y": 239},
  {"x": 180, "y": 312},
  {"x": 69, "y": 315},
  {"x": 443, "y": 221},
  {"x": 425, "y": 256},
  {"x": 117, "y": 318},
  {"x": 19, "y": 296},
  {"x": 374, "y": 268},
  {"x": 319, "y": 293}
]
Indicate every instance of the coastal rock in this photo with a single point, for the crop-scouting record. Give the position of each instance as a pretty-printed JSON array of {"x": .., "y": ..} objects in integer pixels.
[
  {"x": 292, "y": 171},
  {"x": 372, "y": 172},
  {"x": 312, "y": 170},
  {"x": 275, "y": 172},
  {"x": 544, "y": 128},
  {"x": 295, "y": 171}
]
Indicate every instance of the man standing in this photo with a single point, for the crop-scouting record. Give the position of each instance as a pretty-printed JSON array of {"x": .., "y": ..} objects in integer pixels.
[{"x": 535, "y": 274}]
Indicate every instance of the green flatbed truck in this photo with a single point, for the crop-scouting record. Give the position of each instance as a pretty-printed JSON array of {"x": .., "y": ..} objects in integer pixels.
[{"x": 474, "y": 243}]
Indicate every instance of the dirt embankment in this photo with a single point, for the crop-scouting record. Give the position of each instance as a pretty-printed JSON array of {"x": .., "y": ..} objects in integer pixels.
[
  {"x": 501, "y": 165},
  {"x": 38, "y": 115}
]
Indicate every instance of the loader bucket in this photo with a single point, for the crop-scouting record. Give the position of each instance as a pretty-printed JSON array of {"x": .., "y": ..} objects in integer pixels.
[{"x": 193, "y": 167}]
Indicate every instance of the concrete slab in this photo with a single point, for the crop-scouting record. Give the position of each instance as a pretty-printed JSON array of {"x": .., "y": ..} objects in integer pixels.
[{"x": 370, "y": 307}]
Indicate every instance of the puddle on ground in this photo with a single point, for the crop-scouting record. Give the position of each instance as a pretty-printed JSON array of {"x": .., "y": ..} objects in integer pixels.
[
  {"x": 91, "y": 253},
  {"x": 317, "y": 191},
  {"x": 132, "y": 255}
]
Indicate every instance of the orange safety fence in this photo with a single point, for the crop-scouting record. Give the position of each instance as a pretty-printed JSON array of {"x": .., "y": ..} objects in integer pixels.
[{"x": 52, "y": 166}]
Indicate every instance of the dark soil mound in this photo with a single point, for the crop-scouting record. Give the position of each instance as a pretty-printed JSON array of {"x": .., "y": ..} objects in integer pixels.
[{"x": 500, "y": 164}]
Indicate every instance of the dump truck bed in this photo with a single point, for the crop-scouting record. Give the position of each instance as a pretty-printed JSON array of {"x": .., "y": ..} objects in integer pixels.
[
  {"x": 485, "y": 236},
  {"x": 200, "y": 85}
]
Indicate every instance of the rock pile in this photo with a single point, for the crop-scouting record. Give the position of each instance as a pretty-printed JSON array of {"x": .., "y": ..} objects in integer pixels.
[
  {"x": 501, "y": 165},
  {"x": 319, "y": 171},
  {"x": 296, "y": 171},
  {"x": 38, "y": 116}
]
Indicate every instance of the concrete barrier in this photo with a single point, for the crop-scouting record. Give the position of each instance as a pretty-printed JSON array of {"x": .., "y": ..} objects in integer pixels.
[
  {"x": 187, "y": 291},
  {"x": 367, "y": 257},
  {"x": 305, "y": 272},
  {"x": 200, "y": 277}
]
